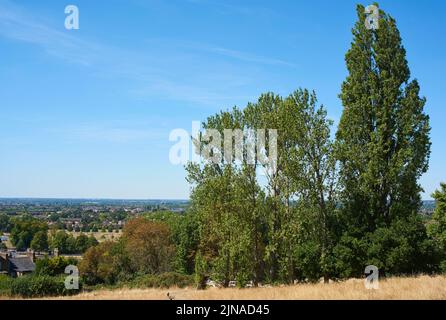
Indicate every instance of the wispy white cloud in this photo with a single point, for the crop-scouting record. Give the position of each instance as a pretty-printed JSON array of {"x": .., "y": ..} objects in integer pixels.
[
  {"x": 189, "y": 93},
  {"x": 18, "y": 25},
  {"x": 162, "y": 71},
  {"x": 237, "y": 7},
  {"x": 108, "y": 133},
  {"x": 244, "y": 56},
  {"x": 217, "y": 50}
]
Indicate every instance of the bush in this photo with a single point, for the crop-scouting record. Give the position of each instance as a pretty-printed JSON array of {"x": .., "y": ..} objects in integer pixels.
[
  {"x": 38, "y": 286},
  {"x": 307, "y": 257},
  {"x": 164, "y": 280},
  {"x": 402, "y": 248},
  {"x": 148, "y": 246},
  {"x": 98, "y": 264},
  {"x": 53, "y": 266},
  {"x": 32, "y": 286},
  {"x": 5, "y": 285},
  {"x": 350, "y": 257}
]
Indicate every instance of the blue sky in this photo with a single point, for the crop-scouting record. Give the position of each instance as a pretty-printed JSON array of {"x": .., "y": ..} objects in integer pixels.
[{"x": 88, "y": 112}]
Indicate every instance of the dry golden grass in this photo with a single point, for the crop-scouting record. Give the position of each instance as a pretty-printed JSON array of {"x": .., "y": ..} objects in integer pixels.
[
  {"x": 100, "y": 236},
  {"x": 417, "y": 288}
]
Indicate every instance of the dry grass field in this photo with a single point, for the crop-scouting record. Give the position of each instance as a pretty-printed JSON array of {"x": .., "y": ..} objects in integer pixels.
[
  {"x": 100, "y": 236},
  {"x": 417, "y": 288}
]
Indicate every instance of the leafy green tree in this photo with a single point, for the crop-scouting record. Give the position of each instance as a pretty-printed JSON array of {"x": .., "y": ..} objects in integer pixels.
[
  {"x": 64, "y": 242},
  {"x": 5, "y": 224},
  {"x": 437, "y": 227},
  {"x": 92, "y": 241},
  {"x": 311, "y": 168},
  {"x": 184, "y": 236},
  {"x": 24, "y": 229},
  {"x": 273, "y": 215},
  {"x": 383, "y": 140},
  {"x": 249, "y": 233},
  {"x": 40, "y": 241},
  {"x": 402, "y": 248},
  {"x": 225, "y": 204},
  {"x": 82, "y": 243},
  {"x": 53, "y": 266}
]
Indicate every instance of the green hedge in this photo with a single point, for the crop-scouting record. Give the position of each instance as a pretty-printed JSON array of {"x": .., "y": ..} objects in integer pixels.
[
  {"x": 164, "y": 280},
  {"x": 5, "y": 285},
  {"x": 31, "y": 286}
]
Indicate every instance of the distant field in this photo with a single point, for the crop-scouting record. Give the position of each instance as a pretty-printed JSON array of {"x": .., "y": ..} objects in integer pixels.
[
  {"x": 419, "y": 288},
  {"x": 100, "y": 236}
]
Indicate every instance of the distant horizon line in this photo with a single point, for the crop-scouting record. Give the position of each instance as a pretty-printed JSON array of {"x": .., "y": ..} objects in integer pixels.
[
  {"x": 126, "y": 199},
  {"x": 93, "y": 198}
]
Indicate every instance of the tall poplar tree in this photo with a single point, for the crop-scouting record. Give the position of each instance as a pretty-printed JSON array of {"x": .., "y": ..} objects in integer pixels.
[{"x": 383, "y": 137}]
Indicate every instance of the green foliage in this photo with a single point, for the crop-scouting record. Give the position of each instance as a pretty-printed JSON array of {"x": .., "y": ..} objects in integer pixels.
[
  {"x": 5, "y": 224},
  {"x": 67, "y": 244},
  {"x": 350, "y": 253},
  {"x": 248, "y": 233},
  {"x": 24, "y": 229},
  {"x": 64, "y": 242},
  {"x": 383, "y": 147},
  {"x": 383, "y": 137},
  {"x": 31, "y": 286},
  {"x": 184, "y": 235},
  {"x": 201, "y": 271},
  {"x": 83, "y": 242},
  {"x": 308, "y": 264},
  {"x": 40, "y": 241},
  {"x": 163, "y": 280},
  {"x": 402, "y": 248},
  {"x": 5, "y": 285},
  {"x": 437, "y": 227},
  {"x": 53, "y": 266}
]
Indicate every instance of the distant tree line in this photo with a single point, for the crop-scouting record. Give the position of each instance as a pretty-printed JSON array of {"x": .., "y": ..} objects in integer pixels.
[{"x": 27, "y": 232}]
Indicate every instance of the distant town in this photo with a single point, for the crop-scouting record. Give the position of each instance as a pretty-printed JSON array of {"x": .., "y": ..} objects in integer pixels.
[
  {"x": 86, "y": 215},
  {"x": 71, "y": 226},
  {"x": 106, "y": 215}
]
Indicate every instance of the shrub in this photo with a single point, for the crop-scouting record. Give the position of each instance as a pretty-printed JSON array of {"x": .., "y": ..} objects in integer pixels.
[
  {"x": 402, "y": 248},
  {"x": 53, "y": 266},
  {"x": 5, "y": 285},
  {"x": 164, "y": 280},
  {"x": 98, "y": 264},
  {"x": 38, "y": 286},
  {"x": 307, "y": 257},
  {"x": 148, "y": 245}
]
